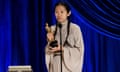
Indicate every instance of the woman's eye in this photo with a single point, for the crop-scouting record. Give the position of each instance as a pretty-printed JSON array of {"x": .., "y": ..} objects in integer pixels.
[
  {"x": 56, "y": 12},
  {"x": 61, "y": 11}
]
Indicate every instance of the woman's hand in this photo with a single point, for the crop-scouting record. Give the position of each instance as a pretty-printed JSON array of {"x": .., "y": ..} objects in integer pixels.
[{"x": 55, "y": 49}]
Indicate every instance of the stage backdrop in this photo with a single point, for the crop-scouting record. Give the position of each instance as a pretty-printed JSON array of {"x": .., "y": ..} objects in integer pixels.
[{"x": 23, "y": 35}]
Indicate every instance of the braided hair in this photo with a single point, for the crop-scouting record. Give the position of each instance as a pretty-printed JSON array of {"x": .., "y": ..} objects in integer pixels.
[{"x": 68, "y": 25}]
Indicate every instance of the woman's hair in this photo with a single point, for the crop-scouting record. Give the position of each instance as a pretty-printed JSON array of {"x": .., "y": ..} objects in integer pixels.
[{"x": 67, "y": 7}]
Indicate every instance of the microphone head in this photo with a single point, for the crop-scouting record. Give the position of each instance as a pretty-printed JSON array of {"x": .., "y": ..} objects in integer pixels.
[{"x": 59, "y": 25}]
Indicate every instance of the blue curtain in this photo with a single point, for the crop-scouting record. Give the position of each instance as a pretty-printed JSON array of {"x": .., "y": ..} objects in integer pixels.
[{"x": 23, "y": 35}]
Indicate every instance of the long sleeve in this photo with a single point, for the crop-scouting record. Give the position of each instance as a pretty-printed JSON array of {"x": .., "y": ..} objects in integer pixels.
[
  {"x": 74, "y": 52},
  {"x": 49, "y": 55},
  {"x": 48, "y": 58}
]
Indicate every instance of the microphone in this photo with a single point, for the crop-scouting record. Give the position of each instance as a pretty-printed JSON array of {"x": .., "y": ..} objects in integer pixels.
[{"x": 59, "y": 25}]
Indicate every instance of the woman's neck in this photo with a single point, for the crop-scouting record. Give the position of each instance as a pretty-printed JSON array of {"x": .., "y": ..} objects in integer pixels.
[{"x": 65, "y": 22}]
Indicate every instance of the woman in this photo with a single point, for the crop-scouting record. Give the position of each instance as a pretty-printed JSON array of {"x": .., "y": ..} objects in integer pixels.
[{"x": 72, "y": 43}]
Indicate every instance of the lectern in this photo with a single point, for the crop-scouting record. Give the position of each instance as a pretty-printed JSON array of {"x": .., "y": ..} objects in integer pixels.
[{"x": 19, "y": 69}]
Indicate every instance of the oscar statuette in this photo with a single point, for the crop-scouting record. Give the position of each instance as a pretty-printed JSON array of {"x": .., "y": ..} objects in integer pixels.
[{"x": 53, "y": 42}]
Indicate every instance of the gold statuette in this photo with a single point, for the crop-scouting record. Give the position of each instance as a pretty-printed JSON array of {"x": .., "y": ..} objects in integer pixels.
[
  {"x": 53, "y": 43},
  {"x": 48, "y": 29}
]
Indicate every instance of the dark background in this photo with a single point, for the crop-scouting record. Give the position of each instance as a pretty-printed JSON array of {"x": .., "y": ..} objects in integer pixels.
[{"x": 23, "y": 35}]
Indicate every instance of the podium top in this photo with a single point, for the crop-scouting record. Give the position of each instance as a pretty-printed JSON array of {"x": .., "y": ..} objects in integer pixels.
[
  {"x": 26, "y": 68},
  {"x": 19, "y": 67}
]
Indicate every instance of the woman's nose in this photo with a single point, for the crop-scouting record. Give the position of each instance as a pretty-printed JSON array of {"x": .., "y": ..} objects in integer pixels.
[{"x": 59, "y": 14}]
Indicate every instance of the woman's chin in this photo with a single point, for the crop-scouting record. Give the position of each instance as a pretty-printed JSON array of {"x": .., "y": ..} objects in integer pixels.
[{"x": 60, "y": 21}]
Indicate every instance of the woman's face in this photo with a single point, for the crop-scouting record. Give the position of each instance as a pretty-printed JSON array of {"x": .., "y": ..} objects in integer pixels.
[{"x": 61, "y": 13}]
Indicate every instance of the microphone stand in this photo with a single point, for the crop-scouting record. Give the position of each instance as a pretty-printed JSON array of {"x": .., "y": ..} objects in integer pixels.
[{"x": 60, "y": 26}]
